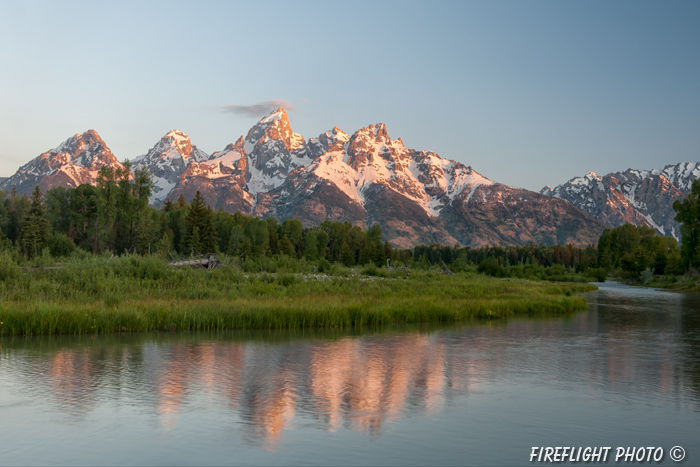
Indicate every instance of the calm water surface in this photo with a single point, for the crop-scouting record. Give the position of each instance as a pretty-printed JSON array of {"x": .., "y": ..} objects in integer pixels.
[{"x": 625, "y": 373}]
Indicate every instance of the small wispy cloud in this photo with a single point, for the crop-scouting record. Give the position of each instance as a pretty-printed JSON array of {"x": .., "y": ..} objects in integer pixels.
[{"x": 260, "y": 109}]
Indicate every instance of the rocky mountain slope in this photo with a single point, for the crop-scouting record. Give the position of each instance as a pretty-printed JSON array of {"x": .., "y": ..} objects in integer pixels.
[
  {"x": 640, "y": 197},
  {"x": 365, "y": 178},
  {"x": 76, "y": 161},
  {"x": 167, "y": 160}
]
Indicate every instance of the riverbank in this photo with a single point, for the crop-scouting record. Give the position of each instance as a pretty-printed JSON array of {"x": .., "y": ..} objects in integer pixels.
[{"x": 134, "y": 294}]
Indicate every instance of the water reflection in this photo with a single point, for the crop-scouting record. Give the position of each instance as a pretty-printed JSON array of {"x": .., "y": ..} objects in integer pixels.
[
  {"x": 264, "y": 381},
  {"x": 646, "y": 347}
]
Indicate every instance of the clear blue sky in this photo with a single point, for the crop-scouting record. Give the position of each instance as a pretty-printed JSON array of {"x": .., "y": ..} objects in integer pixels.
[{"x": 528, "y": 93}]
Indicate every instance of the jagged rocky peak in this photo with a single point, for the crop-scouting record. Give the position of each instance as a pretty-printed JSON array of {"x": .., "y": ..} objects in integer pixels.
[
  {"x": 86, "y": 149},
  {"x": 371, "y": 141},
  {"x": 232, "y": 157},
  {"x": 238, "y": 146},
  {"x": 682, "y": 174},
  {"x": 75, "y": 161},
  {"x": 175, "y": 144},
  {"x": 275, "y": 127},
  {"x": 641, "y": 197},
  {"x": 167, "y": 160},
  {"x": 333, "y": 138}
]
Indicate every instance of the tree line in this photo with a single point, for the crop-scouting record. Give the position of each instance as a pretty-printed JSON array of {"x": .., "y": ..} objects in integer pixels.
[{"x": 114, "y": 215}]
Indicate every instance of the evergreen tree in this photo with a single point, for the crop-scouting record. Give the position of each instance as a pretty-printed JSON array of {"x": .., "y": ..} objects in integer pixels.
[
  {"x": 200, "y": 234},
  {"x": 165, "y": 238},
  {"x": 195, "y": 243},
  {"x": 36, "y": 229}
]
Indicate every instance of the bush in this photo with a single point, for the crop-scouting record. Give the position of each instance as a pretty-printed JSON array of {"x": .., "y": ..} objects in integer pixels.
[
  {"x": 490, "y": 267},
  {"x": 8, "y": 267},
  {"x": 286, "y": 279},
  {"x": 324, "y": 266},
  {"x": 599, "y": 274},
  {"x": 140, "y": 267},
  {"x": 60, "y": 245},
  {"x": 647, "y": 275},
  {"x": 45, "y": 260},
  {"x": 370, "y": 269}
]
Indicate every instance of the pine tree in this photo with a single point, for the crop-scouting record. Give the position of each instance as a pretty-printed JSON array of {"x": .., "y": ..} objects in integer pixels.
[
  {"x": 35, "y": 229},
  {"x": 201, "y": 218}
]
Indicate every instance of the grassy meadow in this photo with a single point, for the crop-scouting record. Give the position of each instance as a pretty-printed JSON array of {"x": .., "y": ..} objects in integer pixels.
[{"x": 104, "y": 294}]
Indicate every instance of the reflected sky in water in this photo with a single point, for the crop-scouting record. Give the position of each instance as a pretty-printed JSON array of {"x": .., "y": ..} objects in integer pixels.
[{"x": 625, "y": 373}]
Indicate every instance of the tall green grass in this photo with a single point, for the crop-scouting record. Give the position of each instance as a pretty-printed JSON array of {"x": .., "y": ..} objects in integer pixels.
[{"x": 100, "y": 294}]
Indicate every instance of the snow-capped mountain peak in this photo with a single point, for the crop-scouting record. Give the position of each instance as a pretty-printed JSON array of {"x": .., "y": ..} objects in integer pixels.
[
  {"x": 416, "y": 196},
  {"x": 75, "y": 161},
  {"x": 167, "y": 161},
  {"x": 273, "y": 150},
  {"x": 640, "y": 197}
]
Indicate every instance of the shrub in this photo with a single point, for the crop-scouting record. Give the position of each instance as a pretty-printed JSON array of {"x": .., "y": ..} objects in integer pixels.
[
  {"x": 286, "y": 279},
  {"x": 647, "y": 275},
  {"x": 8, "y": 267},
  {"x": 60, "y": 245},
  {"x": 370, "y": 269},
  {"x": 324, "y": 266},
  {"x": 490, "y": 267}
]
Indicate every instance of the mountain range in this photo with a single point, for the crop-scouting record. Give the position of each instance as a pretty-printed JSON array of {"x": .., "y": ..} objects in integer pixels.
[
  {"x": 640, "y": 197},
  {"x": 365, "y": 178}
]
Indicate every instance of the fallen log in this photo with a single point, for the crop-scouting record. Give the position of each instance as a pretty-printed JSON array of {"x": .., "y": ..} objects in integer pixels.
[{"x": 208, "y": 262}]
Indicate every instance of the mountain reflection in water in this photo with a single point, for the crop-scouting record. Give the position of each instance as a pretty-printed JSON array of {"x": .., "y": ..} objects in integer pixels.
[
  {"x": 616, "y": 367},
  {"x": 358, "y": 382}
]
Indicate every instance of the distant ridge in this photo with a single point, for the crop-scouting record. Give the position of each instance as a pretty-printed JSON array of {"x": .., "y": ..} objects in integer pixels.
[{"x": 640, "y": 197}]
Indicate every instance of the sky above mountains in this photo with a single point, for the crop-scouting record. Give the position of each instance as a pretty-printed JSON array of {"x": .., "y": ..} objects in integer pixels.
[{"x": 527, "y": 93}]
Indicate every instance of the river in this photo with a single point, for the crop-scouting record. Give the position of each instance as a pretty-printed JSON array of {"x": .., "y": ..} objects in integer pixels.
[{"x": 625, "y": 373}]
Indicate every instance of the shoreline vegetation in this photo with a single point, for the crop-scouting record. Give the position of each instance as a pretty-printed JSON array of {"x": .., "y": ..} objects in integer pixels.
[
  {"x": 114, "y": 276},
  {"x": 132, "y": 293}
]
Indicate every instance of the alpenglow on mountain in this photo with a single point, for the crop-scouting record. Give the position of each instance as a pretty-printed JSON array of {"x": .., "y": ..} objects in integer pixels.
[
  {"x": 640, "y": 197},
  {"x": 365, "y": 178}
]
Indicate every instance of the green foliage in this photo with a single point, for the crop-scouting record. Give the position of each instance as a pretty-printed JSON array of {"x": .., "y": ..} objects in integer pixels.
[
  {"x": 101, "y": 293},
  {"x": 647, "y": 275},
  {"x": 200, "y": 233},
  {"x": 35, "y": 228},
  {"x": 8, "y": 266},
  {"x": 324, "y": 266},
  {"x": 688, "y": 214},
  {"x": 60, "y": 245},
  {"x": 632, "y": 250},
  {"x": 370, "y": 269},
  {"x": 293, "y": 231}
]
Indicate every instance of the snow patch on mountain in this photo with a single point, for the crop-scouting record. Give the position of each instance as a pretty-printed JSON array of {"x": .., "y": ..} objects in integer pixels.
[
  {"x": 167, "y": 160},
  {"x": 637, "y": 196}
]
